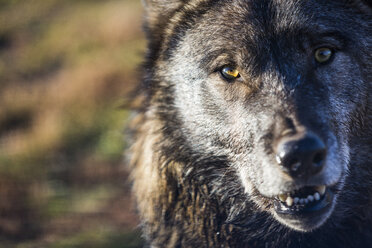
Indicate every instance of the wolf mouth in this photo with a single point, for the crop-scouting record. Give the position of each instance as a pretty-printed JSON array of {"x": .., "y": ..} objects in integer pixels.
[{"x": 307, "y": 200}]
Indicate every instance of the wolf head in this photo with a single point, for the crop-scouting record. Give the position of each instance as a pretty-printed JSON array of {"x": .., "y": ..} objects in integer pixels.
[{"x": 272, "y": 96}]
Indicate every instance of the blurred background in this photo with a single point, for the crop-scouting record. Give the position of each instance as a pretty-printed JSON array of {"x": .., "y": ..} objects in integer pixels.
[{"x": 65, "y": 68}]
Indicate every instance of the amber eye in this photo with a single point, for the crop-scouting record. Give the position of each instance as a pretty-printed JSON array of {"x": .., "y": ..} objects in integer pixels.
[
  {"x": 323, "y": 54},
  {"x": 230, "y": 73}
]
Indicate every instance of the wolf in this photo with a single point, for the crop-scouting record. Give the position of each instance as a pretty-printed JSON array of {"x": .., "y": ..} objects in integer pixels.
[{"x": 255, "y": 128}]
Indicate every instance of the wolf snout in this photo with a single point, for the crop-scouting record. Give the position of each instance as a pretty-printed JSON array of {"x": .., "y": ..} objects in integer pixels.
[{"x": 301, "y": 155}]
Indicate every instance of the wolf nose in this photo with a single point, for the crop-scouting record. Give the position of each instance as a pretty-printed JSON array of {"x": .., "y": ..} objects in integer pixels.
[{"x": 302, "y": 156}]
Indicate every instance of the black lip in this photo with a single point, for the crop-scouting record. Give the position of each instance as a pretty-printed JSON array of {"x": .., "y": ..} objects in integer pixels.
[{"x": 316, "y": 208}]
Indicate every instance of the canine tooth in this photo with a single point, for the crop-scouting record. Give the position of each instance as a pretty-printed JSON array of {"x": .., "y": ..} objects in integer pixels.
[
  {"x": 283, "y": 197},
  {"x": 289, "y": 201},
  {"x": 321, "y": 189},
  {"x": 296, "y": 200},
  {"x": 317, "y": 196},
  {"x": 278, "y": 159},
  {"x": 310, "y": 198}
]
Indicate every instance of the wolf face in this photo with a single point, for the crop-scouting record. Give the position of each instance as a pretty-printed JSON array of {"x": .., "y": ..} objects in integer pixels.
[{"x": 276, "y": 91}]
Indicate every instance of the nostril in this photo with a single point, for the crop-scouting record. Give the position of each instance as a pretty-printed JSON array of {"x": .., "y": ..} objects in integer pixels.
[{"x": 319, "y": 158}]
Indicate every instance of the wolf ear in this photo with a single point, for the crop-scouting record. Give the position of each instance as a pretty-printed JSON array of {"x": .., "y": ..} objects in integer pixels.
[{"x": 157, "y": 11}]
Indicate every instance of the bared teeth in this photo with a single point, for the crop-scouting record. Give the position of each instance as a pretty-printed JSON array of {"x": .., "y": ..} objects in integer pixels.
[
  {"x": 317, "y": 196},
  {"x": 321, "y": 189},
  {"x": 295, "y": 200},
  {"x": 289, "y": 201}
]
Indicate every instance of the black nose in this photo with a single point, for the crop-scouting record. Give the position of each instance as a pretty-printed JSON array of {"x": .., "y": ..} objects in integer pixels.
[{"x": 301, "y": 155}]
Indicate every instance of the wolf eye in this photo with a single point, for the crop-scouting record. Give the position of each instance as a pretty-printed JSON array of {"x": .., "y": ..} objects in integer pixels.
[
  {"x": 323, "y": 54},
  {"x": 230, "y": 73}
]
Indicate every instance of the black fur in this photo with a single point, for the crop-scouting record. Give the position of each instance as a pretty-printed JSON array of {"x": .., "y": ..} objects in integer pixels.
[{"x": 203, "y": 160}]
